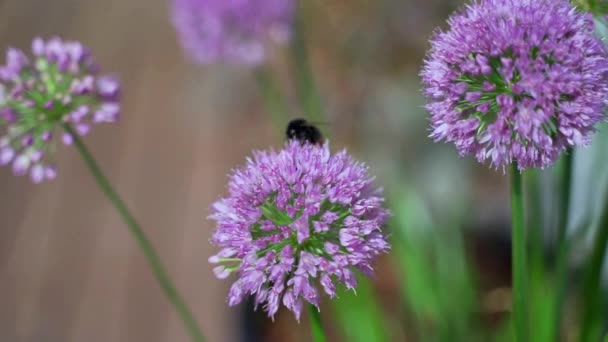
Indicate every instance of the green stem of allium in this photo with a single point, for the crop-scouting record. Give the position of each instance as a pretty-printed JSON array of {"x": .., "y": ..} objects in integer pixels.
[
  {"x": 535, "y": 218},
  {"x": 305, "y": 83},
  {"x": 318, "y": 335},
  {"x": 144, "y": 243},
  {"x": 592, "y": 291},
  {"x": 541, "y": 295},
  {"x": 564, "y": 205},
  {"x": 273, "y": 98},
  {"x": 519, "y": 262},
  {"x": 563, "y": 245}
]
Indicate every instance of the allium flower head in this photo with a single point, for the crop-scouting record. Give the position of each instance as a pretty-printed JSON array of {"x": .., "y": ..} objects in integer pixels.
[
  {"x": 516, "y": 81},
  {"x": 294, "y": 219},
  {"x": 234, "y": 31},
  {"x": 58, "y": 85}
]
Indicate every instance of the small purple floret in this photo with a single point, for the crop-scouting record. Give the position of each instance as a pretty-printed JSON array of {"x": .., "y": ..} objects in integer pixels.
[
  {"x": 295, "y": 219},
  {"x": 516, "y": 81}
]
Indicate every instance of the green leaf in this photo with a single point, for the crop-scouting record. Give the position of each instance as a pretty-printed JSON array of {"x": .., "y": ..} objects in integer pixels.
[{"x": 359, "y": 314}]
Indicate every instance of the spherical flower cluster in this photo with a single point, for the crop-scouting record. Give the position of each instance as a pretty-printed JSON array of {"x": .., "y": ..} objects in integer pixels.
[
  {"x": 234, "y": 31},
  {"x": 58, "y": 86},
  {"x": 516, "y": 81},
  {"x": 295, "y": 218}
]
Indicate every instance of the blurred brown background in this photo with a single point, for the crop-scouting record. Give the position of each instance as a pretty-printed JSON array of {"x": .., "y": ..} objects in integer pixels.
[{"x": 69, "y": 270}]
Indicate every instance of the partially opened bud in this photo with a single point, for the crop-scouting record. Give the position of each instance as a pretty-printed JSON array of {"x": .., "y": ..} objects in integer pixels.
[
  {"x": 213, "y": 31},
  {"x": 58, "y": 85}
]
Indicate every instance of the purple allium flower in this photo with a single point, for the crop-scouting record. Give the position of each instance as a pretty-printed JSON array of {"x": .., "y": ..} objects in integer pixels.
[
  {"x": 234, "y": 31},
  {"x": 516, "y": 81},
  {"x": 294, "y": 219},
  {"x": 58, "y": 85}
]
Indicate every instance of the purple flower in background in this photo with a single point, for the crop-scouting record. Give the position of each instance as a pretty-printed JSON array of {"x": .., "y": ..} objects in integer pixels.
[
  {"x": 234, "y": 31},
  {"x": 294, "y": 219},
  {"x": 58, "y": 85},
  {"x": 516, "y": 81}
]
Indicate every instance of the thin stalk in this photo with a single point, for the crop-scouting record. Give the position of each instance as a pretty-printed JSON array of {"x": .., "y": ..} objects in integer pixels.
[
  {"x": 273, "y": 98},
  {"x": 564, "y": 205},
  {"x": 305, "y": 83},
  {"x": 519, "y": 260},
  {"x": 535, "y": 219},
  {"x": 144, "y": 243},
  {"x": 563, "y": 245},
  {"x": 592, "y": 291},
  {"x": 541, "y": 297},
  {"x": 318, "y": 335}
]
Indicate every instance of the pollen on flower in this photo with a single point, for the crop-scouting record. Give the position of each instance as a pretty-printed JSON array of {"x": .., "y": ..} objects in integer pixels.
[
  {"x": 296, "y": 219},
  {"x": 516, "y": 81},
  {"x": 212, "y": 31},
  {"x": 59, "y": 84}
]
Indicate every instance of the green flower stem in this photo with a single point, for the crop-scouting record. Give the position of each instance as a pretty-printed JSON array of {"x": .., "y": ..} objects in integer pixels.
[
  {"x": 273, "y": 98},
  {"x": 519, "y": 262},
  {"x": 318, "y": 335},
  {"x": 592, "y": 291},
  {"x": 305, "y": 83},
  {"x": 541, "y": 294},
  {"x": 563, "y": 245},
  {"x": 564, "y": 205},
  {"x": 141, "y": 238},
  {"x": 535, "y": 218}
]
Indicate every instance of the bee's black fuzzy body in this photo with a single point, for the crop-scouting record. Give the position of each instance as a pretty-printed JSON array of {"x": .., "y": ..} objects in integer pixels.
[{"x": 304, "y": 132}]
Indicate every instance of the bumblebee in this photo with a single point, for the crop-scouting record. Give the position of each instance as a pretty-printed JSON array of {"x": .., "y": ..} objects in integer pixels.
[{"x": 304, "y": 132}]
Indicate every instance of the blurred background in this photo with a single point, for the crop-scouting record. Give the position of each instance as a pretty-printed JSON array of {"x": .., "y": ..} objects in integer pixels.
[{"x": 70, "y": 272}]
